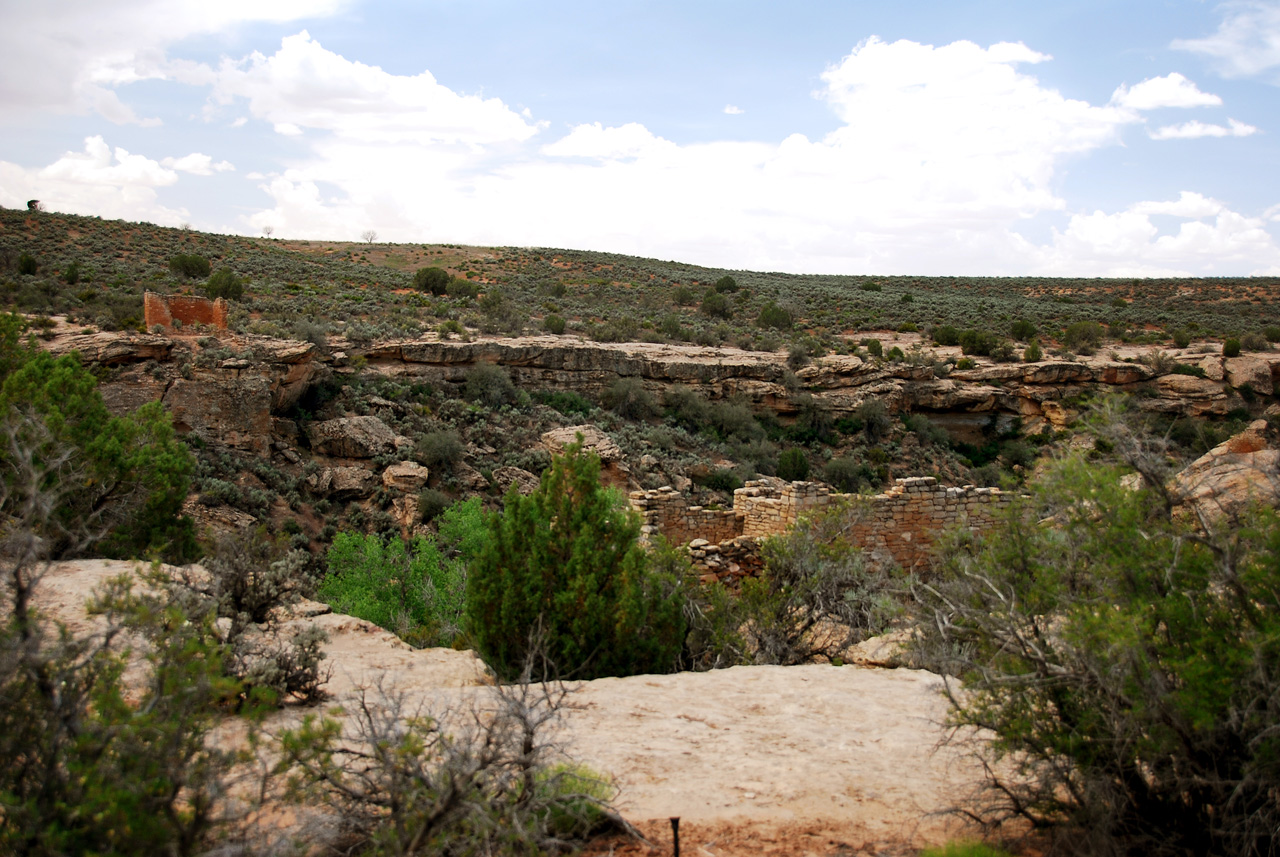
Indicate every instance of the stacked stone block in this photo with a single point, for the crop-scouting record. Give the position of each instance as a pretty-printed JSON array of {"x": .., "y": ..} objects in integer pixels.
[
  {"x": 666, "y": 511},
  {"x": 166, "y": 309},
  {"x": 899, "y": 526}
]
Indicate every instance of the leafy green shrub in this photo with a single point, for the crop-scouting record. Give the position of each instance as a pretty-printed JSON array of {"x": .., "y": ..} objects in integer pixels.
[
  {"x": 433, "y": 280},
  {"x": 1083, "y": 337},
  {"x": 1181, "y": 338},
  {"x": 874, "y": 417},
  {"x": 715, "y": 304},
  {"x": 225, "y": 284},
  {"x": 945, "y": 335},
  {"x": 874, "y": 347},
  {"x": 684, "y": 296},
  {"x": 721, "y": 479},
  {"x": 793, "y": 465},
  {"x": 566, "y": 402},
  {"x": 460, "y": 288},
  {"x": 686, "y": 408},
  {"x": 1033, "y": 353},
  {"x": 431, "y": 503},
  {"x": 409, "y": 588},
  {"x": 774, "y": 316},
  {"x": 190, "y": 266},
  {"x": 628, "y": 398},
  {"x": 1272, "y": 333},
  {"x": 439, "y": 449},
  {"x": 27, "y": 265},
  {"x": 815, "y": 596},
  {"x": 849, "y": 476},
  {"x": 1254, "y": 342},
  {"x": 134, "y": 471},
  {"x": 563, "y": 575},
  {"x": 71, "y": 274},
  {"x": 1022, "y": 330},
  {"x": 1124, "y": 657},
  {"x": 553, "y": 324},
  {"x": 797, "y": 357},
  {"x": 871, "y": 287},
  {"x": 1231, "y": 348},
  {"x": 490, "y": 385},
  {"x": 725, "y": 284}
]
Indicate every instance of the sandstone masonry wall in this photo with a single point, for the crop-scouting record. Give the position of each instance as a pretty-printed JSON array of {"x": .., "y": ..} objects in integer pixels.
[
  {"x": 898, "y": 526},
  {"x": 186, "y": 309}
]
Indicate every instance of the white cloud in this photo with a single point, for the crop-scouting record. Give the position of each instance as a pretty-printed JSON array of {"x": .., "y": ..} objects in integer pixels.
[
  {"x": 198, "y": 164},
  {"x": 304, "y": 86},
  {"x": 1247, "y": 42},
  {"x": 1212, "y": 239},
  {"x": 1188, "y": 204},
  {"x": 69, "y": 55},
  {"x": 99, "y": 180},
  {"x": 733, "y": 110},
  {"x": 1195, "y": 129},
  {"x": 1172, "y": 90},
  {"x": 595, "y": 141}
]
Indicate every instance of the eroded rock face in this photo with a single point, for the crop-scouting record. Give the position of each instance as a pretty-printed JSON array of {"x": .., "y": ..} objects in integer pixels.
[
  {"x": 352, "y": 437},
  {"x": 1251, "y": 370},
  {"x": 505, "y": 477},
  {"x": 223, "y": 406},
  {"x": 1241, "y": 470},
  {"x": 593, "y": 440}
]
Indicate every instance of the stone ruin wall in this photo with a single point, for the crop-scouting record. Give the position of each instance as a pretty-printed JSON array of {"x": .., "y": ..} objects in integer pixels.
[
  {"x": 898, "y": 526},
  {"x": 186, "y": 309}
]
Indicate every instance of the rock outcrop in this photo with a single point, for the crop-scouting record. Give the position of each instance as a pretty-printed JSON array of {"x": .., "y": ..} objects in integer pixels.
[
  {"x": 1242, "y": 470},
  {"x": 352, "y": 437}
]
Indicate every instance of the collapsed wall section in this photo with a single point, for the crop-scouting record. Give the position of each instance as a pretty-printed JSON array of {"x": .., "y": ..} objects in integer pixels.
[{"x": 164, "y": 310}]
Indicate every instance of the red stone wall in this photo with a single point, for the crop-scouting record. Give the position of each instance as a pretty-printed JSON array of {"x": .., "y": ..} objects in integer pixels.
[{"x": 166, "y": 309}]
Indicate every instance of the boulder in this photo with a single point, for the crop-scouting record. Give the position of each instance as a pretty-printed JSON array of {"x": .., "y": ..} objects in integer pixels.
[
  {"x": 505, "y": 477},
  {"x": 406, "y": 476},
  {"x": 593, "y": 440},
  {"x": 352, "y": 437},
  {"x": 1254, "y": 371},
  {"x": 1236, "y": 472},
  {"x": 349, "y": 483}
]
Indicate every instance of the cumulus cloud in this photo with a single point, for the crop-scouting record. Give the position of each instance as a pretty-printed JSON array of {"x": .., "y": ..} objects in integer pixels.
[
  {"x": 198, "y": 164},
  {"x": 69, "y": 55},
  {"x": 98, "y": 180},
  {"x": 1172, "y": 90},
  {"x": 595, "y": 141},
  {"x": 1211, "y": 239},
  {"x": 304, "y": 86},
  {"x": 1247, "y": 42},
  {"x": 1194, "y": 129},
  {"x": 733, "y": 110}
]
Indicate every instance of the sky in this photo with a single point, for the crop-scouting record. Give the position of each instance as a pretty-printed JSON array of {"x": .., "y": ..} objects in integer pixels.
[{"x": 1122, "y": 138}]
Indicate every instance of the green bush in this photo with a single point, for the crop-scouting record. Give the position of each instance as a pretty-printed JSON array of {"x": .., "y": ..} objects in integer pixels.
[
  {"x": 71, "y": 274},
  {"x": 27, "y": 265},
  {"x": 134, "y": 471},
  {"x": 564, "y": 578},
  {"x": 945, "y": 335},
  {"x": 726, "y": 284},
  {"x": 793, "y": 465},
  {"x": 1083, "y": 336},
  {"x": 721, "y": 479},
  {"x": 414, "y": 589},
  {"x": 715, "y": 305},
  {"x": 553, "y": 324},
  {"x": 628, "y": 398},
  {"x": 1126, "y": 660},
  {"x": 1022, "y": 330},
  {"x": 1271, "y": 333},
  {"x": 1231, "y": 348},
  {"x": 190, "y": 266},
  {"x": 774, "y": 316},
  {"x": 460, "y": 288},
  {"x": 1181, "y": 338},
  {"x": 566, "y": 402},
  {"x": 439, "y": 450},
  {"x": 433, "y": 280},
  {"x": 225, "y": 284},
  {"x": 849, "y": 476},
  {"x": 490, "y": 385},
  {"x": 874, "y": 347},
  {"x": 1033, "y": 352}
]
